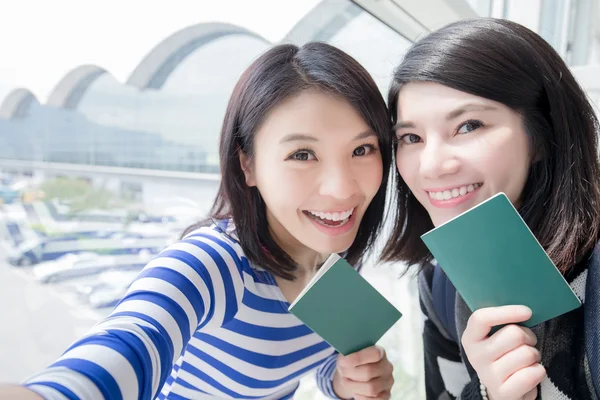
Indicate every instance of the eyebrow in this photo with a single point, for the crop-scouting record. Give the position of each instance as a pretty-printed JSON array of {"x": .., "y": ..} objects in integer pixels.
[
  {"x": 451, "y": 115},
  {"x": 468, "y": 107},
  {"x": 293, "y": 137}
]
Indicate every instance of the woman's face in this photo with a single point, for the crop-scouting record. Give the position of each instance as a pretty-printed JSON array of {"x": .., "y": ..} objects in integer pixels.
[
  {"x": 456, "y": 150},
  {"x": 317, "y": 166}
]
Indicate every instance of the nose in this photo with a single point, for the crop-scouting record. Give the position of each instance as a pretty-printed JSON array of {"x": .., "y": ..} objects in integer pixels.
[
  {"x": 438, "y": 159},
  {"x": 338, "y": 181}
]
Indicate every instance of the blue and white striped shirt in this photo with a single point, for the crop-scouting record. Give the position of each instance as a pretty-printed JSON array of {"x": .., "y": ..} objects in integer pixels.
[{"x": 199, "y": 322}]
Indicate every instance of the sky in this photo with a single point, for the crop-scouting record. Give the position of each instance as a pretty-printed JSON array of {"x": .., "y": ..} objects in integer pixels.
[{"x": 41, "y": 41}]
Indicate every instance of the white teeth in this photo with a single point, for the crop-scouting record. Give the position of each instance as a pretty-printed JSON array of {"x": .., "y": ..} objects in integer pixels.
[
  {"x": 335, "y": 216},
  {"x": 450, "y": 194}
]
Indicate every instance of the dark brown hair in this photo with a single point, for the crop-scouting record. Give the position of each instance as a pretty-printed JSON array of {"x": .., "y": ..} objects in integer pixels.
[
  {"x": 281, "y": 72},
  {"x": 508, "y": 63}
]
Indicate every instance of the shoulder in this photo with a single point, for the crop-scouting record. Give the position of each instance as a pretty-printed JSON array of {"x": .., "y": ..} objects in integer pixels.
[
  {"x": 594, "y": 260},
  {"x": 429, "y": 300},
  {"x": 207, "y": 248},
  {"x": 425, "y": 279},
  {"x": 214, "y": 234}
]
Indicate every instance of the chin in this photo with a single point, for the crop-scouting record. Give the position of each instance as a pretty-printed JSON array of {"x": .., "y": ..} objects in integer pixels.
[
  {"x": 441, "y": 220},
  {"x": 328, "y": 248}
]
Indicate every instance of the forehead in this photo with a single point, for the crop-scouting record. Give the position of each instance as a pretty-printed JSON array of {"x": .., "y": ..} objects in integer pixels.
[
  {"x": 313, "y": 112},
  {"x": 416, "y": 98}
]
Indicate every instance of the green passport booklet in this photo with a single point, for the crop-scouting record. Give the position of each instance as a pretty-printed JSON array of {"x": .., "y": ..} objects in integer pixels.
[
  {"x": 492, "y": 258},
  {"x": 343, "y": 308}
]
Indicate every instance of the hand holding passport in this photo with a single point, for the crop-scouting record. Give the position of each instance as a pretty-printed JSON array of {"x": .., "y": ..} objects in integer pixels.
[
  {"x": 343, "y": 308},
  {"x": 488, "y": 253},
  {"x": 492, "y": 258}
]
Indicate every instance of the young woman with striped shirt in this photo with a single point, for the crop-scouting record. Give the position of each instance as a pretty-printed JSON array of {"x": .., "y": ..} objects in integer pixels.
[{"x": 305, "y": 152}]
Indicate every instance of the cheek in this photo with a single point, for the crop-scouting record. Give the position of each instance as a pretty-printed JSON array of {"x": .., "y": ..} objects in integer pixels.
[
  {"x": 506, "y": 164},
  {"x": 370, "y": 178},
  {"x": 518, "y": 178},
  {"x": 282, "y": 188},
  {"x": 375, "y": 176},
  {"x": 407, "y": 167}
]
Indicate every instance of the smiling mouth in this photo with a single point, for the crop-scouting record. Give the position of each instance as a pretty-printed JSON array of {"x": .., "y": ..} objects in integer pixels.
[
  {"x": 453, "y": 193},
  {"x": 330, "y": 219}
]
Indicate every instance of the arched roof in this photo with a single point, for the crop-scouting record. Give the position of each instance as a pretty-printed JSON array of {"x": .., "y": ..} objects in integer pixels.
[
  {"x": 69, "y": 91},
  {"x": 322, "y": 22},
  {"x": 17, "y": 104},
  {"x": 156, "y": 67}
]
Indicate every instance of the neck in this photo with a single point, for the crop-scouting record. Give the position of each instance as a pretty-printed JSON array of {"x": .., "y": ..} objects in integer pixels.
[
  {"x": 307, "y": 260},
  {"x": 308, "y": 264}
]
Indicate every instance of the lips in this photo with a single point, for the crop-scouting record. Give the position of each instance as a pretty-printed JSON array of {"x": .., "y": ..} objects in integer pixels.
[
  {"x": 458, "y": 191},
  {"x": 330, "y": 218}
]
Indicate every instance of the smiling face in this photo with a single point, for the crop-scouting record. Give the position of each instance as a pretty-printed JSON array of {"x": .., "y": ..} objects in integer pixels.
[
  {"x": 317, "y": 166},
  {"x": 456, "y": 150}
]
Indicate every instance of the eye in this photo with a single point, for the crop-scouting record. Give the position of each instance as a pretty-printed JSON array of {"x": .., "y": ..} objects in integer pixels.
[
  {"x": 409, "y": 138},
  {"x": 469, "y": 126},
  {"x": 364, "y": 150},
  {"x": 302, "y": 155}
]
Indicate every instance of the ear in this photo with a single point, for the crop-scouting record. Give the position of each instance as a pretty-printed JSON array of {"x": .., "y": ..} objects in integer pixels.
[
  {"x": 248, "y": 168},
  {"x": 539, "y": 154}
]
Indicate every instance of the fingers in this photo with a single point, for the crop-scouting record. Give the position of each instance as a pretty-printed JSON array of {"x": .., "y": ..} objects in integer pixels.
[
  {"x": 532, "y": 395},
  {"x": 366, "y": 372},
  {"x": 522, "y": 382},
  {"x": 366, "y": 356},
  {"x": 483, "y": 320},
  {"x": 382, "y": 396},
  {"x": 507, "y": 362},
  {"x": 375, "y": 388},
  {"x": 507, "y": 339},
  {"x": 515, "y": 360}
]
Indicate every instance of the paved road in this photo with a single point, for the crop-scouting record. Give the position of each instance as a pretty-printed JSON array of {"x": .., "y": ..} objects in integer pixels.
[{"x": 36, "y": 324}]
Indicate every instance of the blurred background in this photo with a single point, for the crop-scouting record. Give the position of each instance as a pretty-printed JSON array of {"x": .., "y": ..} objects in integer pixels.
[{"x": 109, "y": 118}]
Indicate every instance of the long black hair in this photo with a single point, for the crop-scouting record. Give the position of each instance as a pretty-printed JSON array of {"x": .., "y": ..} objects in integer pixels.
[
  {"x": 505, "y": 62},
  {"x": 282, "y": 72}
]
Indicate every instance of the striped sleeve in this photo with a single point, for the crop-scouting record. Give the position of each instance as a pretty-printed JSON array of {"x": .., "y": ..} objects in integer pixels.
[
  {"x": 191, "y": 285},
  {"x": 325, "y": 375}
]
